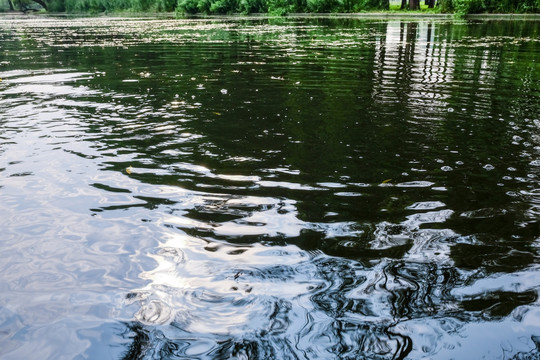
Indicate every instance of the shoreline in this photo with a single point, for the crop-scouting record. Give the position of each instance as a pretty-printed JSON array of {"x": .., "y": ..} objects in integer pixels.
[
  {"x": 362, "y": 15},
  {"x": 418, "y": 15}
]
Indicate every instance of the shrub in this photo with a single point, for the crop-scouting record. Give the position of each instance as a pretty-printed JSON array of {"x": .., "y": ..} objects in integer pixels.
[
  {"x": 187, "y": 7},
  {"x": 252, "y": 6},
  {"x": 462, "y": 7},
  {"x": 164, "y": 5},
  {"x": 140, "y": 5},
  {"x": 224, "y": 7},
  {"x": 445, "y": 6},
  {"x": 321, "y": 6},
  {"x": 57, "y": 6},
  {"x": 278, "y": 7},
  {"x": 372, "y": 5}
]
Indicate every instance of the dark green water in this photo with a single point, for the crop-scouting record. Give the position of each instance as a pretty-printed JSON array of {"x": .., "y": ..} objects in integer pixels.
[{"x": 269, "y": 189}]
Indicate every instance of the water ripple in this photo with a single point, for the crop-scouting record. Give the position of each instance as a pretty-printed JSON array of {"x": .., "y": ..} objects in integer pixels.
[{"x": 268, "y": 188}]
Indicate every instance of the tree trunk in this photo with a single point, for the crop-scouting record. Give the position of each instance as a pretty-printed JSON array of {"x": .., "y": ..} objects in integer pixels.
[
  {"x": 414, "y": 4},
  {"x": 430, "y": 3},
  {"x": 403, "y": 4},
  {"x": 11, "y": 7}
]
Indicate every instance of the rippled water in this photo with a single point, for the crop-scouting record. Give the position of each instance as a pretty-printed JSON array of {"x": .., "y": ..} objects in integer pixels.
[{"x": 269, "y": 189}]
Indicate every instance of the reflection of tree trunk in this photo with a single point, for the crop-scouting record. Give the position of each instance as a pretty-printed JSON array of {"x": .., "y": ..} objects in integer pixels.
[
  {"x": 414, "y": 4},
  {"x": 428, "y": 38},
  {"x": 410, "y": 41},
  {"x": 379, "y": 57},
  {"x": 406, "y": 61},
  {"x": 428, "y": 62},
  {"x": 401, "y": 39},
  {"x": 403, "y": 4}
]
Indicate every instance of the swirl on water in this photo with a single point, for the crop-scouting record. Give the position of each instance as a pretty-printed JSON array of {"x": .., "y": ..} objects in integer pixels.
[{"x": 278, "y": 302}]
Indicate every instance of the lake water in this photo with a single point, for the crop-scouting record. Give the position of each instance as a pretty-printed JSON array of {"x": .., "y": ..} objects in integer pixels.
[{"x": 252, "y": 188}]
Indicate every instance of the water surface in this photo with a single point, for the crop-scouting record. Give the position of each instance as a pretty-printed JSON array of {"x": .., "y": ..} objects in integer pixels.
[{"x": 269, "y": 189}]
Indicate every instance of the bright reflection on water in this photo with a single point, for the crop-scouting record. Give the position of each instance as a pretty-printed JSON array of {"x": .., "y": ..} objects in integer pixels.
[{"x": 269, "y": 189}]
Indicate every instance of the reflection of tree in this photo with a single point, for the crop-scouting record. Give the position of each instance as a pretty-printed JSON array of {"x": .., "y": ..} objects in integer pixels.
[{"x": 488, "y": 125}]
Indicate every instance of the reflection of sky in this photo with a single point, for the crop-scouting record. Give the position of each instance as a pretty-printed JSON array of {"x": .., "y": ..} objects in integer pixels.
[
  {"x": 211, "y": 290},
  {"x": 479, "y": 340},
  {"x": 222, "y": 289},
  {"x": 482, "y": 339}
]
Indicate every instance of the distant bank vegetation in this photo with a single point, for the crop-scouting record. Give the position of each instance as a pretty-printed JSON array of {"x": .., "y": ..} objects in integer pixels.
[{"x": 274, "y": 7}]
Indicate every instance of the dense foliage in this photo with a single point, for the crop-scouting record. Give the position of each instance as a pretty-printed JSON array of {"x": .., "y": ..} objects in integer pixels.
[
  {"x": 92, "y": 6},
  {"x": 275, "y": 7},
  {"x": 495, "y": 6},
  {"x": 278, "y": 7}
]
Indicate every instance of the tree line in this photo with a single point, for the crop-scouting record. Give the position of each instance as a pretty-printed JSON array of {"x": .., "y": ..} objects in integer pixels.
[{"x": 274, "y": 7}]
